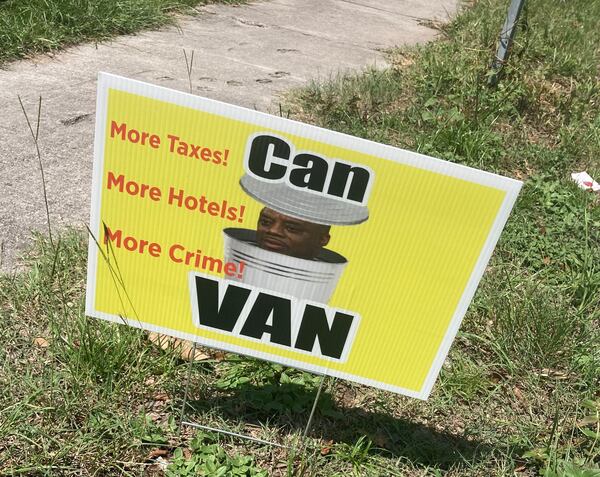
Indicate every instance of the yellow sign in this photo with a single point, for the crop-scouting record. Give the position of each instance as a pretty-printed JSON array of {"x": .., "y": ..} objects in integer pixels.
[{"x": 275, "y": 239}]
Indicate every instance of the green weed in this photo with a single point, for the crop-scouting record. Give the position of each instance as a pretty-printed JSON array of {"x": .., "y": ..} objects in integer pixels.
[
  {"x": 356, "y": 454},
  {"x": 206, "y": 457}
]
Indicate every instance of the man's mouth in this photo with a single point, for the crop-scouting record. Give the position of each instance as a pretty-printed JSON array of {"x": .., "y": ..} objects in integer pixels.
[{"x": 273, "y": 244}]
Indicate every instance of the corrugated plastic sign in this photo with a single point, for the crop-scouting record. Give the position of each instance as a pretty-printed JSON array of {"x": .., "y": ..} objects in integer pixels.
[{"x": 279, "y": 240}]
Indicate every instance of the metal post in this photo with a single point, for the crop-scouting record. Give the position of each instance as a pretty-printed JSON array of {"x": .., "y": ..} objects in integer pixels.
[
  {"x": 314, "y": 408},
  {"x": 187, "y": 387},
  {"x": 233, "y": 434},
  {"x": 302, "y": 445},
  {"x": 506, "y": 38}
]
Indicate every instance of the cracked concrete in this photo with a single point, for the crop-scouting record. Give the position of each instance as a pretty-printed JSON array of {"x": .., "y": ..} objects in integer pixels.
[{"x": 245, "y": 55}]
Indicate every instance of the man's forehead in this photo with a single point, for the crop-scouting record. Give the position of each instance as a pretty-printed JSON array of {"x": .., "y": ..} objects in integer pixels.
[{"x": 273, "y": 214}]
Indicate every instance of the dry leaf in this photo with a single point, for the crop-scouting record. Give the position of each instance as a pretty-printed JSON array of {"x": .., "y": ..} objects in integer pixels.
[
  {"x": 553, "y": 373},
  {"x": 518, "y": 394},
  {"x": 187, "y": 350},
  {"x": 160, "y": 396},
  {"x": 326, "y": 447},
  {"x": 163, "y": 341},
  {"x": 184, "y": 347},
  {"x": 153, "y": 454},
  {"x": 41, "y": 342}
]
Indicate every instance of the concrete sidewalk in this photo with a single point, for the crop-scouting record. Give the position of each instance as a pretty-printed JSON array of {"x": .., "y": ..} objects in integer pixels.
[{"x": 244, "y": 55}]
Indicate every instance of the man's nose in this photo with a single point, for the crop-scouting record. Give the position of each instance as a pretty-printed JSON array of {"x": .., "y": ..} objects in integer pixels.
[{"x": 276, "y": 228}]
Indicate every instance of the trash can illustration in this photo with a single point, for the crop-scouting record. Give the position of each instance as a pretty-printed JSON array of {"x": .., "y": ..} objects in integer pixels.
[{"x": 313, "y": 279}]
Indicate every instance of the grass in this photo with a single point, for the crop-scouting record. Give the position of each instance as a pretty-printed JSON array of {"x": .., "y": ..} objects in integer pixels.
[
  {"x": 519, "y": 394},
  {"x": 40, "y": 26}
]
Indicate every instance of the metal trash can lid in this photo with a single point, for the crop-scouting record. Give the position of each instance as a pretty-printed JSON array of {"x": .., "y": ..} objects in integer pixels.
[{"x": 304, "y": 205}]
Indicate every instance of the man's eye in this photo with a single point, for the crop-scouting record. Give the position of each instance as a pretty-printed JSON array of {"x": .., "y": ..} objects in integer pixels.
[
  {"x": 293, "y": 229},
  {"x": 264, "y": 222}
]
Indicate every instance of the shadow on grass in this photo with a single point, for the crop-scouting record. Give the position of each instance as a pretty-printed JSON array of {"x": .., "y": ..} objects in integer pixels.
[{"x": 287, "y": 406}]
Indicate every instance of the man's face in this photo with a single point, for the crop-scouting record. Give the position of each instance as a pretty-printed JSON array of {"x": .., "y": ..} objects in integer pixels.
[{"x": 283, "y": 234}]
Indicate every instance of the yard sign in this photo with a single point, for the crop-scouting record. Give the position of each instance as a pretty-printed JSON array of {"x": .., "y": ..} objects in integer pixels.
[{"x": 279, "y": 240}]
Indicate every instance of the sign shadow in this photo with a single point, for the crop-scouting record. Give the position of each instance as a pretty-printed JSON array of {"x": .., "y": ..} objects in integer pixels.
[{"x": 286, "y": 407}]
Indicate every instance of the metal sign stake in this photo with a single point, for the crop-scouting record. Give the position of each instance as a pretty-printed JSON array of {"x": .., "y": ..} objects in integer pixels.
[
  {"x": 314, "y": 408},
  {"x": 187, "y": 386},
  {"x": 506, "y": 38}
]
